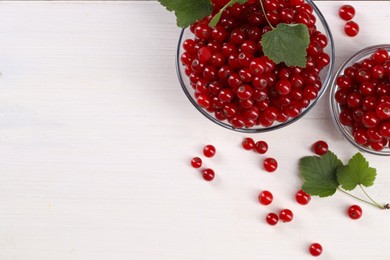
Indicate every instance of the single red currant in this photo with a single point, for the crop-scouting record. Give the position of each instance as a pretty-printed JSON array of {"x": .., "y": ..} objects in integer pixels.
[
  {"x": 196, "y": 162},
  {"x": 272, "y": 219},
  {"x": 355, "y": 212},
  {"x": 286, "y": 215},
  {"x": 315, "y": 249},
  {"x": 346, "y": 12},
  {"x": 270, "y": 164},
  {"x": 208, "y": 174},
  {"x": 302, "y": 197},
  {"x": 320, "y": 147},
  {"x": 209, "y": 150},
  {"x": 261, "y": 147},
  {"x": 265, "y": 197},
  {"x": 351, "y": 28},
  {"x": 248, "y": 143}
]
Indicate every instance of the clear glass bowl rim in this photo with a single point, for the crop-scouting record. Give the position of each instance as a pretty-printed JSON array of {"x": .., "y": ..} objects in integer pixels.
[{"x": 325, "y": 83}]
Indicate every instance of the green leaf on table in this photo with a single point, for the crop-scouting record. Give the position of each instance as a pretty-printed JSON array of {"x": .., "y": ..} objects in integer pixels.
[
  {"x": 319, "y": 174},
  {"x": 356, "y": 172},
  {"x": 287, "y": 43},
  {"x": 188, "y": 11},
  {"x": 214, "y": 21}
]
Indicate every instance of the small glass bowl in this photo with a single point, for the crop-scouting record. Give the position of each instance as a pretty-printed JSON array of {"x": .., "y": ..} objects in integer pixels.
[
  {"x": 325, "y": 76},
  {"x": 336, "y": 108}
]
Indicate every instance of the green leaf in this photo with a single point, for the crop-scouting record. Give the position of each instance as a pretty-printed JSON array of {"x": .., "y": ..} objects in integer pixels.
[
  {"x": 287, "y": 43},
  {"x": 217, "y": 16},
  {"x": 319, "y": 174},
  {"x": 357, "y": 172},
  {"x": 188, "y": 11}
]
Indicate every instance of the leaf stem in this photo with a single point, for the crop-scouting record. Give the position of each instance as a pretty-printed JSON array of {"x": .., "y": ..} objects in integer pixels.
[
  {"x": 365, "y": 193},
  {"x": 265, "y": 14},
  {"x": 362, "y": 200}
]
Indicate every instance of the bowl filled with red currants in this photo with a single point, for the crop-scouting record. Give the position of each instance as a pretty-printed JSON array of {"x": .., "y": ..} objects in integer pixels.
[
  {"x": 360, "y": 99},
  {"x": 227, "y": 74}
]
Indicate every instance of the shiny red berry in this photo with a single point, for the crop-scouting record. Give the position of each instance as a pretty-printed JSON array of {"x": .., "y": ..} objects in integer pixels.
[
  {"x": 302, "y": 197},
  {"x": 270, "y": 164},
  {"x": 196, "y": 162},
  {"x": 286, "y": 215},
  {"x": 208, "y": 174},
  {"x": 209, "y": 150},
  {"x": 355, "y": 212},
  {"x": 272, "y": 219},
  {"x": 351, "y": 29},
  {"x": 346, "y": 12},
  {"x": 315, "y": 249},
  {"x": 320, "y": 147},
  {"x": 248, "y": 143},
  {"x": 265, "y": 197},
  {"x": 261, "y": 147}
]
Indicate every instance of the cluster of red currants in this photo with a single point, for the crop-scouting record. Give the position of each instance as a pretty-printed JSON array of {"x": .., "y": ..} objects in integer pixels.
[
  {"x": 347, "y": 13},
  {"x": 196, "y": 162},
  {"x": 235, "y": 81},
  {"x": 364, "y": 98}
]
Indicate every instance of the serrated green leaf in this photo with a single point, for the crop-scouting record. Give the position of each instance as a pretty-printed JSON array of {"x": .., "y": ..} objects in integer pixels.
[
  {"x": 319, "y": 174},
  {"x": 188, "y": 11},
  {"x": 357, "y": 172},
  {"x": 217, "y": 16},
  {"x": 287, "y": 43}
]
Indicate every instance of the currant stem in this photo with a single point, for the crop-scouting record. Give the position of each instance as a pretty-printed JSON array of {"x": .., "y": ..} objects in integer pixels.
[
  {"x": 265, "y": 14},
  {"x": 362, "y": 200},
  {"x": 365, "y": 193}
]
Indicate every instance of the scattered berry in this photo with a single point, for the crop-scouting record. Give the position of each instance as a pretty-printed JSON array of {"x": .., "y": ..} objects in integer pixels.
[
  {"x": 302, "y": 197},
  {"x": 346, "y": 12},
  {"x": 286, "y": 215},
  {"x": 272, "y": 219},
  {"x": 196, "y": 162},
  {"x": 261, "y": 147},
  {"x": 208, "y": 174},
  {"x": 248, "y": 143},
  {"x": 351, "y": 29},
  {"x": 270, "y": 164},
  {"x": 209, "y": 150},
  {"x": 355, "y": 212},
  {"x": 320, "y": 147},
  {"x": 315, "y": 249},
  {"x": 265, "y": 197}
]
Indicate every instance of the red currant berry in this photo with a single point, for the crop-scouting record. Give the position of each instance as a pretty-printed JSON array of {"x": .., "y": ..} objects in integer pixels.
[
  {"x": 261, "y": 147},
  {"x": 204, "y": 54},
  {"x": 346, "y": 12},
  {"x": 355, "y": 212},
  {"x": 315, "y": 249},
  {"x": 383, "y": 111},
  {"x": 270, "y": 164},
  {"x": 384, "y": 129},
  {"x": 248, "y": 143},
  {"x": 272, "y": 219},
  {"x": 265, "y": 197},
  {"x": 196, "y": 162},
  {"x": 351, "y": 28},
  {"x": 302, "y": 197},
  {"x": 283, "y": 86},
  {"x": 320, "y": 147},
  {"x": 209, "y": 150},
  {"x": 208, "y": 174},
  {"x": 380, "y": 56},
  {"x": 244, "y": 92},
  {"x": 286, "y": 215}
]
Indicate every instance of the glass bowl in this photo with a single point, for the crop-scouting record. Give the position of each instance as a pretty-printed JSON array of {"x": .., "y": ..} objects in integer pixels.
[
  {"x": 325, "y": 76},
  {"x": 336, "y": 107}
]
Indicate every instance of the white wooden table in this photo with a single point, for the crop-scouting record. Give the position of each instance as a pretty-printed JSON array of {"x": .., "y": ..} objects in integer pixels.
[{"x": 96, "y": 137}]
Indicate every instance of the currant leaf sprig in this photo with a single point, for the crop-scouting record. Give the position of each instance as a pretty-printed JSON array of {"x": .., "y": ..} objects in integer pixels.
[
  {"x": 284, "y": 43},
  {"x": 324, "y": 175}
]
